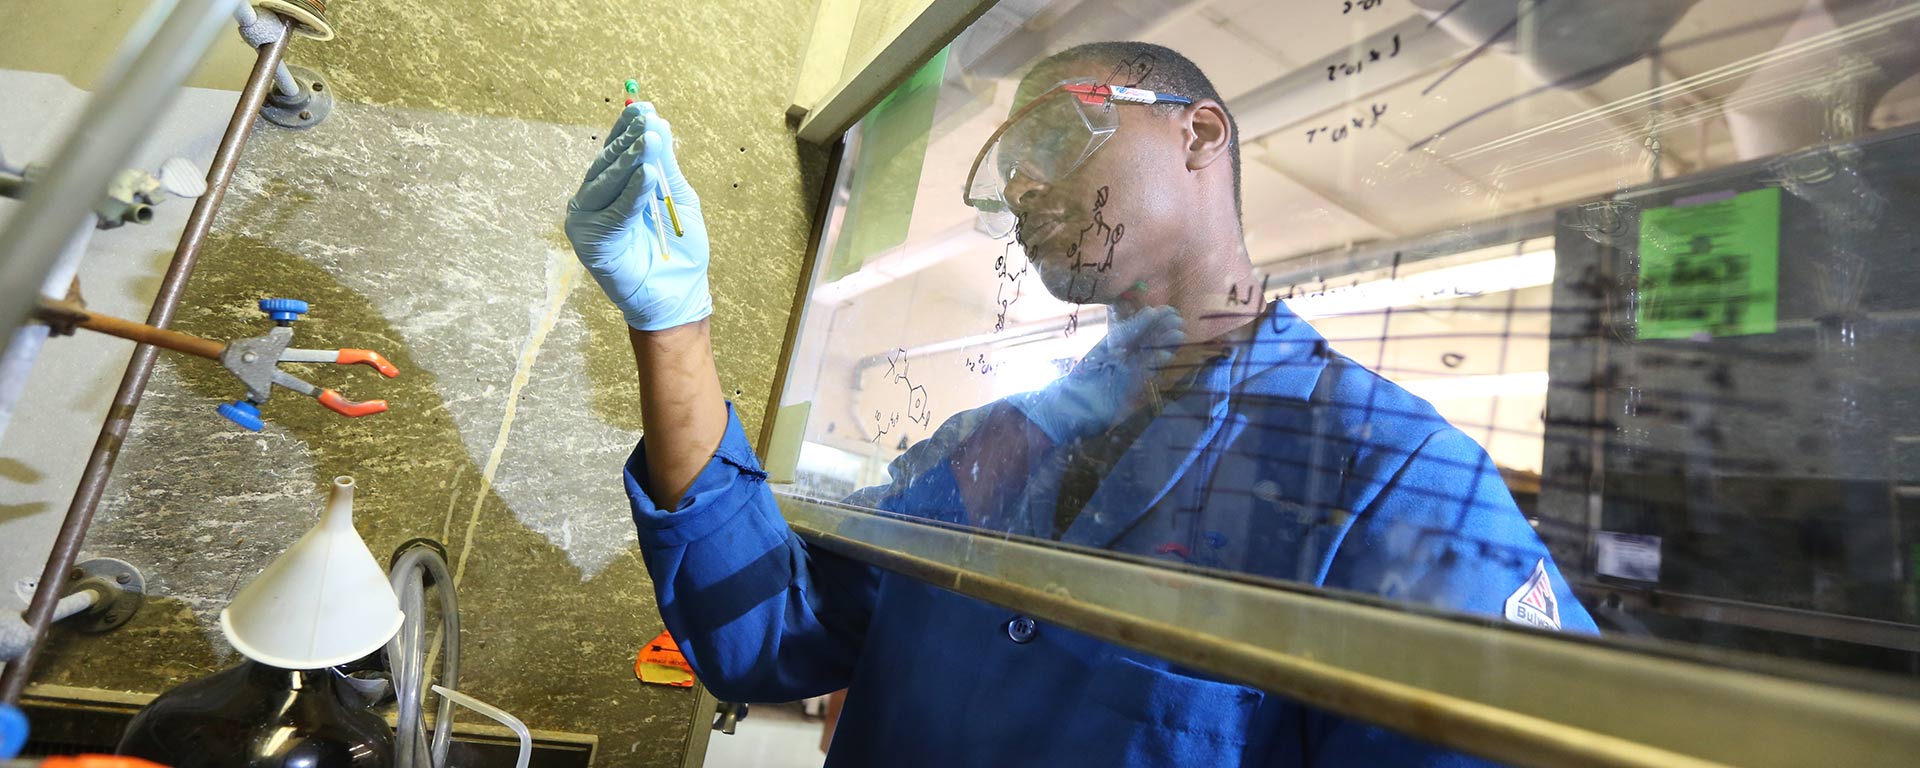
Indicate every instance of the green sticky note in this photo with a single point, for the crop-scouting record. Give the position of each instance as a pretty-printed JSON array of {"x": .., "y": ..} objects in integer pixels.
[
  {"x": 1710, "y": 268},
  {"x": 782, "y": 461},
  {"x": 886, "y": 170}
]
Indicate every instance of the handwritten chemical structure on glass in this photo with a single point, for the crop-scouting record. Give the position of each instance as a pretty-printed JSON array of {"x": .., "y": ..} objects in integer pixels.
[
  {"x": 1107, "y": 236},
  {"x": 915, "y": 411},
  {"x": 1098, "y": 238},
  {"x": 979, "y": 364},
  {"x": 1008, "y": 290},
  {"x": 1349, "y": 6},
  {"x": 1132, "y": 72}
]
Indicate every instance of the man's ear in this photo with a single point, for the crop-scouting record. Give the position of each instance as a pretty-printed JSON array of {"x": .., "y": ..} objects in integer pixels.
[{"x": 1208, "y": 133}]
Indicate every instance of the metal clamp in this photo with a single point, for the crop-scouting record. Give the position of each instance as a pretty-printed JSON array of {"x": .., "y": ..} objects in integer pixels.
[
  {"x": 727, "y": 716},
  {"x": 255, "y": 361},
  {"x": 304, "y": 109}
]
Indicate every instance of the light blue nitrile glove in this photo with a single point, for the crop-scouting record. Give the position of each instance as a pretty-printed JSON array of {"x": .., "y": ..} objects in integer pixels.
[
  {"x": 610, "y": 223},
  {"x": 1110, "y": 381}
]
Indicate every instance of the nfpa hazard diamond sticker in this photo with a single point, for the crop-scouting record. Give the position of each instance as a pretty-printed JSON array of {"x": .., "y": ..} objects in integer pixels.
[{"x": 1533, "y": 604}]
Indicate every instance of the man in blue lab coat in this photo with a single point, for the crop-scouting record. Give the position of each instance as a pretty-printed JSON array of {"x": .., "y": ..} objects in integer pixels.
[{"x": 1207, "y": 427}]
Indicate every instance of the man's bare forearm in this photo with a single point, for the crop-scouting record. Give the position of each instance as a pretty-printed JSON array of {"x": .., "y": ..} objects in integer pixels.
[{"x": 681, "y": 408}]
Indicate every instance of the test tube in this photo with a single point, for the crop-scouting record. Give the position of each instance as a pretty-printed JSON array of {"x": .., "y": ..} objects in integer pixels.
[{"x": 660, "y": 229}]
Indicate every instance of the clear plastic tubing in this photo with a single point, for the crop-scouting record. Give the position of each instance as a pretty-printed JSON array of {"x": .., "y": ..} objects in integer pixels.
[{"x": 406, "y": 656}]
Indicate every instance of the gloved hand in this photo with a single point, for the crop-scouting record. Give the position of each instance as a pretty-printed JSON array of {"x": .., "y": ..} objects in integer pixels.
[
  {"x": 610, "y": 223},
  {"x": 1109, "y": 381}
]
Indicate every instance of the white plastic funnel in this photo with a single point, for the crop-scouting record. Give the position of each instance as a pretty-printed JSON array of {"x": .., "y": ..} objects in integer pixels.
[{"x": 324, "y": 601}]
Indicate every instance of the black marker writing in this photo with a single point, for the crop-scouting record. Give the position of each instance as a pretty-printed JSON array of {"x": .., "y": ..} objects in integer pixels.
[
  {"x": 1106, "y": 236},
  {"x": 1236, "y": 296},
  {"x": 1338, "y": 133},
  {"x": 1359, "y": 5},
  {"x": 916, "y": 411},
  {"x": 1373, "y": 54},
  {"x": 1008, "y": 290},
  {"x": 1099, "y": 238},
  {"x": 1132, "y": 72}
]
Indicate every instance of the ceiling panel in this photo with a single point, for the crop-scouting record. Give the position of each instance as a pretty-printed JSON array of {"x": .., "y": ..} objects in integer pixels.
[
  {"x": 1234, "y": 64},
  {"x": 1283, "y": 218},
  {"x": 1720, "y": 32},
  {"x": 1301, "y": 32}
]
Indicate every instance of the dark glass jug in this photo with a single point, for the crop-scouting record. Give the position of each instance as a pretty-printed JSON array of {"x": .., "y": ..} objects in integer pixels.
[{"x": 258, "y": 716}]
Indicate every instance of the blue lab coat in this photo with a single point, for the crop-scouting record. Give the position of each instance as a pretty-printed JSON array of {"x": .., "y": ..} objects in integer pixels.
[{"x": 1284, "y": 459}]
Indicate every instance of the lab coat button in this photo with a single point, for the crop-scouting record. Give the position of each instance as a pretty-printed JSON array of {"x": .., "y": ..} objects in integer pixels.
[{"x": 1021, "y": 629}]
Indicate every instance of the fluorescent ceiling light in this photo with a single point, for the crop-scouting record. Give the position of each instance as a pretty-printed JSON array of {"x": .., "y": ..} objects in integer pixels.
[{"x": 1489, "y": 385}]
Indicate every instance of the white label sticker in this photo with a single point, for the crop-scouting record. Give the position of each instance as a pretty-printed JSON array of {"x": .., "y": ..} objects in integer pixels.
[
  {"x": 1533, "y": 604},
  {"x": 1628, "y": 556}
]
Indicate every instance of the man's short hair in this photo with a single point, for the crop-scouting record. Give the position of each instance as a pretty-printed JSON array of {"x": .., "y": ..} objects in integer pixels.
[{"x": 1155, "y": 68}]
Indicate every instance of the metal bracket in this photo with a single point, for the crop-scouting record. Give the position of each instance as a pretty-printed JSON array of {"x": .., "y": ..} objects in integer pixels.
[
  {"x": 303, "y": 110},
  {"x": 124, "y": 590},
  {"x": 727, "y": 716},
  {"x": 253, "y": 360},
  {"x": 120, "y": 588}
]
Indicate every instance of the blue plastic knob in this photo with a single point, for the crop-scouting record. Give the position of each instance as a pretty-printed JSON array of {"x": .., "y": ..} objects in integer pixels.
[
  {"x": 13, "y": 731},
  {"x": 242, "y": 413},
  {"x": 283, "y": 310}
]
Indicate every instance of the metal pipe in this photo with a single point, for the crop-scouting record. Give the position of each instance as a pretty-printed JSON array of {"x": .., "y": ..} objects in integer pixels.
[
  {"x": 115, "y": 122},
  {"x": 21, "y": 352},
  {"x": 282, "y": 77},
  {"x": 57, "y": 312},
  {"x": 283, "y": 80},
  {"x": 106, "y": 449},
  {"x": 16, "y": 637}
]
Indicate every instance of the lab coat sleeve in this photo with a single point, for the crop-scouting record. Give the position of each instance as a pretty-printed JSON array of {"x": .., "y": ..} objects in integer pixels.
[
  {"x": 759, "y": 614},
  {"x": 1442, "y": 531}
]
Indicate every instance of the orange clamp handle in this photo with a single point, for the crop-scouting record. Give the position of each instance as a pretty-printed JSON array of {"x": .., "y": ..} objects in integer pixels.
[
  {"x": 340, "y": 405},
  {"x": 367, "y": 357},
  {"x": 96, "y": 761}
]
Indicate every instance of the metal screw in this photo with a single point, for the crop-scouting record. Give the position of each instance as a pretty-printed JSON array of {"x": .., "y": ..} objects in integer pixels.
[
  {"x": 77, "y": 574},
  {"x": 249, "y": 357},
  {"x": 123, "y": 578},
  {"x": 305, "y": 115}
]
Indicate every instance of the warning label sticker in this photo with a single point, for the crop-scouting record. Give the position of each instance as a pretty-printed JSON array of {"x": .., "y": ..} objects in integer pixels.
[{"x": 1533, "y": 604}]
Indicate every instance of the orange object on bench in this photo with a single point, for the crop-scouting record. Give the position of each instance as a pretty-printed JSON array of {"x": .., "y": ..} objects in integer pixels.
[{"x": 661, "y": 663}]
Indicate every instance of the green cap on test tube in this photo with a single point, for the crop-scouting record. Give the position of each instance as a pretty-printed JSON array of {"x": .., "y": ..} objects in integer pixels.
[{"x": 633, "y": 86}]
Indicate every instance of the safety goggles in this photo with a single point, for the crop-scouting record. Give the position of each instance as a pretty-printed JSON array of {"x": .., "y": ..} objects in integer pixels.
[{"x": 1045, "y": 140}]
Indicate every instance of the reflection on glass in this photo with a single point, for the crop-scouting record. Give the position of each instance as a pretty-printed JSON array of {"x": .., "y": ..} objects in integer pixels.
[{"x": 1579, "y": 316}]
